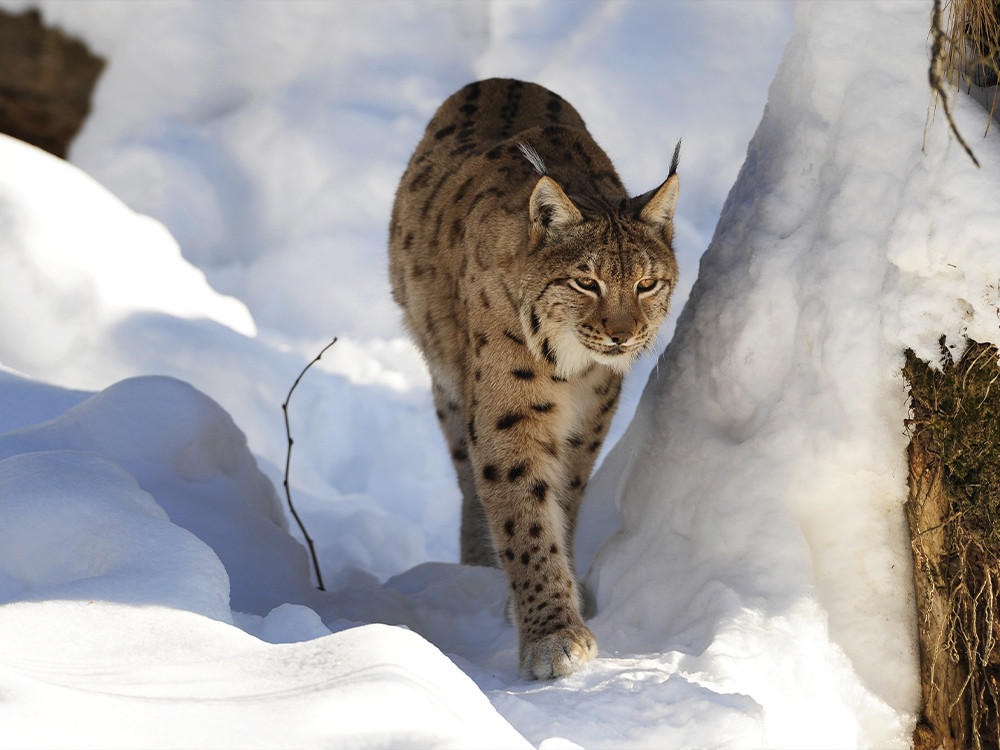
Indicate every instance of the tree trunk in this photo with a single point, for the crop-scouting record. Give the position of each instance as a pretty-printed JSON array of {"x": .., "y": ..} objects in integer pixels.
[
  {"x": 945, "y": 719},
  {"x": 954, "y": 517},
  {"x": 46, "y": 80}
]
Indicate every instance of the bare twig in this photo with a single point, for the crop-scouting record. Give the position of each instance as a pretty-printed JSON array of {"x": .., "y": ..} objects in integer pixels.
[{"x": 288, "y": 462}]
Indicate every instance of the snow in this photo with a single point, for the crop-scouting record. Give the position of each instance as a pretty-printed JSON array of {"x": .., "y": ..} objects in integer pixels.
[
  {"x": 158, "y": 676},
  {"x": 782, "y": 399},
  {"x": 225, "y": 216}
]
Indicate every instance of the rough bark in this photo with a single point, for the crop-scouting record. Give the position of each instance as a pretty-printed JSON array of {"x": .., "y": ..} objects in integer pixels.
[
  {"x": 954, "y": 516},
  {"x": 945, "y": 720},
  {"x": 46, "y": 81}
]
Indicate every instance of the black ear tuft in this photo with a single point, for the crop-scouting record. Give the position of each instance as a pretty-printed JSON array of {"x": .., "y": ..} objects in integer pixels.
[{"x": 658, "y": 205}]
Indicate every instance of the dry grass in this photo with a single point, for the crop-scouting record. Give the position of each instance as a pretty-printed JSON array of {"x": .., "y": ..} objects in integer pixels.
[
  {"x": 972, "y": 53},
  {"x": 965, "y": 51}
]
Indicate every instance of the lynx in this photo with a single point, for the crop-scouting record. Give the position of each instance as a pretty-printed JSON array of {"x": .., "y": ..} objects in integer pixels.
[{"x": 531, "y": 281}]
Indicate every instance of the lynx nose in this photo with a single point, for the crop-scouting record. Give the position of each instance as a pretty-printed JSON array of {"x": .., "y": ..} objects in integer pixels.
[
  {"x": 619, "y": 335},
  {"x": 619, "y": 328}
]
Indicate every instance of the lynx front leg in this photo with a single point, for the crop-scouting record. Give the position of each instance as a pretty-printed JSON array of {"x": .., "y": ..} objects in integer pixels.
[
  {"x": 596, "y": 398},
  {"x": 520, "y": 488}
]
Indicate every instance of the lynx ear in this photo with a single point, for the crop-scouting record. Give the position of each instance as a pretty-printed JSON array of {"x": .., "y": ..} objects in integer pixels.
[
  {"x": 659, "y": 210},
  {"x": 550, "y": 207}
]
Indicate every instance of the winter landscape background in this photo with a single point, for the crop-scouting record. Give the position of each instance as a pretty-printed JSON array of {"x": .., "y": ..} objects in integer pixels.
[{"x": 224, "y": 216}]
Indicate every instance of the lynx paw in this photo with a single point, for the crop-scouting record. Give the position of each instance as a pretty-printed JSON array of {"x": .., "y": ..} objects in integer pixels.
[{"x": 558, "y": 654}]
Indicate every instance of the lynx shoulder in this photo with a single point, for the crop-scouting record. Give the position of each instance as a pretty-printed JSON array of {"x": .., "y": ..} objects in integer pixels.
[{"x": 531, "y": 280}]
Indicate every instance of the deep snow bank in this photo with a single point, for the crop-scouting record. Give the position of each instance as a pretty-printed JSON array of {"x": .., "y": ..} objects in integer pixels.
[
  {"x": 122, "y": 522},
  {"x": 184, "y": 450},
  {"x": 93, "y": 674},
  {"x": 76, "y": 526},
  {"x": 761, "y": 484},
  {"x": 96, "y": 261},
  {"x": 92, "y": 293}
]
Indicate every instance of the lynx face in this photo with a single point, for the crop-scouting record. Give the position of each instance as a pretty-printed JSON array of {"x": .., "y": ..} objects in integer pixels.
[{"x": 597, "y": 290}]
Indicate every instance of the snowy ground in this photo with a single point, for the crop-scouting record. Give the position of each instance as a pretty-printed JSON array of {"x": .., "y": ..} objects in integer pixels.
[{"x": 744, "y": 539}]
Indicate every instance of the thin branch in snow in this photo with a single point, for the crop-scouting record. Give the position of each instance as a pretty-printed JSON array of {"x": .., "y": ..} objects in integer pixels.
[{"x": 288, "y": 462}]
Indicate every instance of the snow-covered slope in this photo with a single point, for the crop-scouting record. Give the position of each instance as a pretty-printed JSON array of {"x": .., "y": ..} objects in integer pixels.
[
  {"x": 117, "y": 626},
  {"x": 755, "y": 588},
  {"x": 764, "y": 476}
]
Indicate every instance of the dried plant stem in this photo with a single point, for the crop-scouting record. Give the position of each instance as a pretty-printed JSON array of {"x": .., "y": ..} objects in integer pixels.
[
  {"x": 936, "y": 75},
  {"x": 288, "y": 463}
]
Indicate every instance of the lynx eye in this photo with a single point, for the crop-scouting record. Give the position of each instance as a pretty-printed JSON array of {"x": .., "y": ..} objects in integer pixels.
[
  {"x": 588, "y": 284},
  {"x": 645, "y": 285}
]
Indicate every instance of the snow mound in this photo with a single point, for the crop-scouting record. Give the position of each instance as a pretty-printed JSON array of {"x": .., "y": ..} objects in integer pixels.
[
  {"x": 185, "y": 451},
  {"x": 118, "y": 614},
  {"x": 26, "y": 402},
  {"x": 289, "y": 623},
  {"x": 460, "y": 608},
  {"x": 162, "y": 678},
  {"x": 76, "y": 261},
  {"x": 77, "y": 526},
  {"x": 365, "y": 405}
]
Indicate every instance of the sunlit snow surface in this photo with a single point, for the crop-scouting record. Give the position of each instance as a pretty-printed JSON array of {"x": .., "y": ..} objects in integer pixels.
[{"x": 744, "y": 540}]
